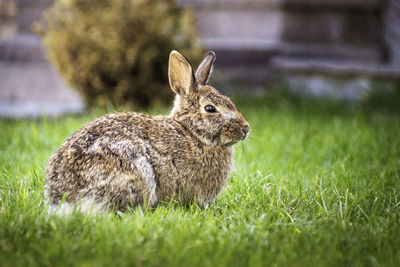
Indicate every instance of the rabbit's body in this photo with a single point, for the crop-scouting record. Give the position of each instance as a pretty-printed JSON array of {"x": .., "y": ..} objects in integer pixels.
[{"x": 130, "y": 159}]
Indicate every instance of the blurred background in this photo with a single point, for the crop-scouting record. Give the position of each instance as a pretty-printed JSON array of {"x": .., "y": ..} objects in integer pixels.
[{"x": 93, "y": 53}]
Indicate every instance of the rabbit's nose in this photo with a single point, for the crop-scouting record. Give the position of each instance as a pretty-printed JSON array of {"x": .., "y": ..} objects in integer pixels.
[{"x": 245, "y": 131}]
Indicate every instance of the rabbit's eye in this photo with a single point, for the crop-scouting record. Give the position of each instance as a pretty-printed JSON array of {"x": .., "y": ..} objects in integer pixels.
[{"x": 210, "y": 109}]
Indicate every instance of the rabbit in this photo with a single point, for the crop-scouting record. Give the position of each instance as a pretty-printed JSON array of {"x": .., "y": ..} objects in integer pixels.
[{"x": 132, "y": 159}]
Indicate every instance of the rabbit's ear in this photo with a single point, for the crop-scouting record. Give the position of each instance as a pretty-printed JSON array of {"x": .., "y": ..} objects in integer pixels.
[
  {"x": 205, "y": 68},
  {"x": 180, "y": 74}
]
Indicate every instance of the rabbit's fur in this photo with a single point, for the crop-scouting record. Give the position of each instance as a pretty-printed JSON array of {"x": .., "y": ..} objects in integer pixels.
[{"x": 130, "y": 159}]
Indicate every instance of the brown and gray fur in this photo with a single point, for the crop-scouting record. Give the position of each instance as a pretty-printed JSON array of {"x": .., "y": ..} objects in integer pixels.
[{"x": 131, "y": 159}]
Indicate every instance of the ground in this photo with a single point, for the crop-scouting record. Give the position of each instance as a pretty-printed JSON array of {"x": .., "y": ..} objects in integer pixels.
[{"x": 316, "y": 184}]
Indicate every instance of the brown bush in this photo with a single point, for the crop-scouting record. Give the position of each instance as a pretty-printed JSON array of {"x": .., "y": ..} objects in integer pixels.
[{"x": 117, "y": 51}]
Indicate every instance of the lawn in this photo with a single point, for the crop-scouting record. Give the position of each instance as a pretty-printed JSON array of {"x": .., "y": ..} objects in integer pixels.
[{"x": 316, "y": 184}]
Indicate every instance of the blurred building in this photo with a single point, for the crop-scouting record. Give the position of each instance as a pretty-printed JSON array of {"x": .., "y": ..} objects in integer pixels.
[
  {"x": 29, "y": 86},
  {"x": 321, "y": 46}
]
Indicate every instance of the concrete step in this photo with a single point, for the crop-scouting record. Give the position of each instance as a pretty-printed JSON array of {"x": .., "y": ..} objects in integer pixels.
[
  {"x": 348, "y": 68},
  {"x": 33, "y": 89},
  {"x": 348, "y": 80},
  {"x": 22, "y": 48}
]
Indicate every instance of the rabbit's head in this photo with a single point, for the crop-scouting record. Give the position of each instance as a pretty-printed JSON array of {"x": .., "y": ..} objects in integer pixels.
[{"x": 209, "y": 115}]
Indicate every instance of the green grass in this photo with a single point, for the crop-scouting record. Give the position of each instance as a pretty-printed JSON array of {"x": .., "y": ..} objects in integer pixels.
[{"x": 316, "y": 184}]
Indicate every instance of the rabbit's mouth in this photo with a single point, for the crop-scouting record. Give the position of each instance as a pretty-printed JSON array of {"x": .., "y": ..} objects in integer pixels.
[
  {"x": 230, "y": 143},
  {"x": 233, "y": 135}
]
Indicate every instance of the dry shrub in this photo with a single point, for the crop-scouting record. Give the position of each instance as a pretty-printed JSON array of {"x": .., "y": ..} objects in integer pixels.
[{"x": 117, "y": 51}]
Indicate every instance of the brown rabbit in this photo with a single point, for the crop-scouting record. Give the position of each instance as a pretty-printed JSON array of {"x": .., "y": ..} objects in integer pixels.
[{"x": 130, "y": 159}]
